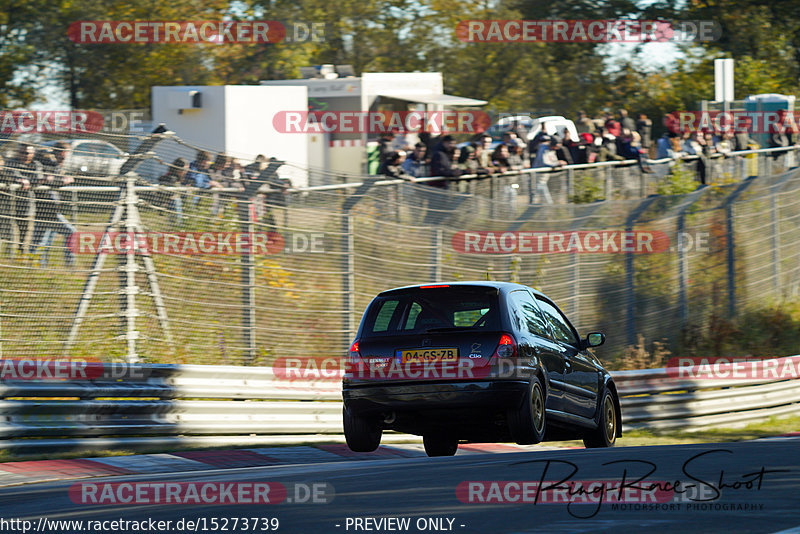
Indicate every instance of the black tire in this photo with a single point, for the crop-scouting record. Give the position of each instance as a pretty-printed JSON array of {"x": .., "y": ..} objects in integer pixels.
[
  {"x": 361, "y": 434},
  {"x": 440, "y": 445},
  {"x": 528, "y": 423},
  {"x": 606, "y": 433}
]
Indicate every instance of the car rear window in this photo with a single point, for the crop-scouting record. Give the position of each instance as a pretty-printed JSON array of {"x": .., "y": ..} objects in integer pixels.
[{"x": 445, "y": 308}]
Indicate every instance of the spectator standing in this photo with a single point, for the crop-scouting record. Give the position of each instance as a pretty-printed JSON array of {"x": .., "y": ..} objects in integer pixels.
[
  {"x": 225, "y": 174},
  {"x": 547, "y": 157},
  {"x": 607, "y": 148},
  {"x": 645, "y": 128},
  {"x": 628, "y": 147},
  {"x": 385, "y": 141},
  {"x": 26, "y": 172},
  {"x": 516, "y": 157},
  {"x": 781, "y": 134},
  {"x": 612, "y": 125},
  {"x": 584, "y": 124},
  {"x": 175, "y": 176},
  {"x": 665, "y": 146},
  {"x": 199, "y": 174},
  {"x": 49, "y": 219},
  {"x": 393, "y": 166},
  {"x": 500, "y": 158},
  {"x": 625, "y": 121},
  {"x": 695, "y": 145},
  {"x": 485, "y": 154},
  {"x": 442, "y": 162},
  {"x": 742, "y": 141},
  {"x": 415, "y": 164}
]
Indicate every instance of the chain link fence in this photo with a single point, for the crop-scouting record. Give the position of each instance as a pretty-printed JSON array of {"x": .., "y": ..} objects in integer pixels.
[{"x": 326, "y": 251}]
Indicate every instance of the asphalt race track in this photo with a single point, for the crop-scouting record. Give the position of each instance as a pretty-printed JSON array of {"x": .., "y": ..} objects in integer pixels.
[{"x": 758, "y": 484}]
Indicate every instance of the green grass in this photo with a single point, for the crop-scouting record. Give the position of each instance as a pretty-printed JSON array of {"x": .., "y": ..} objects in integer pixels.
[{"x": 771, "y": 427}]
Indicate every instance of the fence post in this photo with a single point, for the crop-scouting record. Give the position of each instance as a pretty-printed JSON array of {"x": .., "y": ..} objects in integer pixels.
[
  {"x": 74, "y": 207},
  {"x": 248, "y": 279},
  {"x": 436, "y": 256},
  {"x": 398, "y": 201},
  {"x": 532, "y": 185},
  {"x": 130, "y": 268},
  {"x": 348, "y": 277},
  {"x": 576, "y": 281},
  {"x": 630, "y": 278},
  {"x": 570, "y": 185},
  {"x": 776, "y": 253},
  {"x": 683, "y": 270},
  {"x": 492, "y": 197},
  {"x": 609, "y": 182},
  {"x": 731, "y": 260}
]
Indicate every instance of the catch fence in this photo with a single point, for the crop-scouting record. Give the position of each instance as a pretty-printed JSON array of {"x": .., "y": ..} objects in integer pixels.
[{"x": 728, "y": 246}]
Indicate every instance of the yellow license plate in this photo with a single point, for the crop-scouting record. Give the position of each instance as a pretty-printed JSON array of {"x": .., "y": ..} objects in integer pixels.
[{"x": 428, "y": 355}]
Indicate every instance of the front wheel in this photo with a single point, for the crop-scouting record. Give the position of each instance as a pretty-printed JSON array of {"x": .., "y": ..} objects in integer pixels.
[
  {"x": 527, "y": 423},
  {"x": 440, "y": 444},
  {"x": 605, "y": 435},
  {"x": 361, "y": 434}
]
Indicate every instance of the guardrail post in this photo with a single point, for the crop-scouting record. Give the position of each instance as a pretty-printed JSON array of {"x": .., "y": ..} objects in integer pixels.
[{"x": 533, "y": 183}]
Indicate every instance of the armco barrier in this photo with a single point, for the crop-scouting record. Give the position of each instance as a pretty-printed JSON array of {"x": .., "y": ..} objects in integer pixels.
[{"x": 164, "y": 405}]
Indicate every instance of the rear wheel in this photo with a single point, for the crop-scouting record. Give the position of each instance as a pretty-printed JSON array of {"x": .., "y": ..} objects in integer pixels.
[
  {"x": 440, "y": 444},
  {"x": 527, "y": 423},
  {"x": 606, "y": 433},
  {"x": 361, "y": 434}
]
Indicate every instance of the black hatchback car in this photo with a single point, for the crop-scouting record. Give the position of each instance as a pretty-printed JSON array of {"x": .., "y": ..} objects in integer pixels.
[{"x": 475, "y": 362}]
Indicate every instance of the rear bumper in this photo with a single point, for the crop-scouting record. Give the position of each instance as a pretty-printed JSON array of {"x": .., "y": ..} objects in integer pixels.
[{"x": 370, "y": 399}]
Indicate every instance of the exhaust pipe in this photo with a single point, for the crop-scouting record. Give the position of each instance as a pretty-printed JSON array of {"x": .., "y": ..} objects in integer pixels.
[{"x": 389, "y": 418}]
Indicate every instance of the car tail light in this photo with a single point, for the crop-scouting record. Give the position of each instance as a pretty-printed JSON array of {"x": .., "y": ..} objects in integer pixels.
[
  {"x": 432, "y": 287},
  {"x": 354, "y": 352},
  {"x": 507, "y": 348}
]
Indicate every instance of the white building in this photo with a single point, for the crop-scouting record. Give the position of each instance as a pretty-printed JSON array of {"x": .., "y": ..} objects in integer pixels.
[
  {"x": 346, "y": 153},
  {"x": 234, "y": 119}
]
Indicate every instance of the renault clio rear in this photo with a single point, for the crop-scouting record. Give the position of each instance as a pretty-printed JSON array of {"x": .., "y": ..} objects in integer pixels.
[{"x": 474, "y": 362}]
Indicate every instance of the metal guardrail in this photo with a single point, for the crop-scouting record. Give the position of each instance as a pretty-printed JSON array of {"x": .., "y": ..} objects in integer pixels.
[{"x": 157, "y": 405}]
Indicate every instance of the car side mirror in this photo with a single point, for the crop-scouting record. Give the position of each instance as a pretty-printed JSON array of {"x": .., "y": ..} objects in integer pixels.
[{"x": 595, "y": 339}]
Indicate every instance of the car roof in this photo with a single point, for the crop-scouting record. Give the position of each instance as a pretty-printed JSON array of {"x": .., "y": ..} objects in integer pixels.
[{"x": 503, "y": 287}]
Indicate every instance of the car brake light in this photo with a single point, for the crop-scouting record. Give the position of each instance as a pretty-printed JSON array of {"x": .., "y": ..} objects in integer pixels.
[
  {"x": 507, "y": 348},
  {"x": 354, "y": 352},
  {"x": 432, "y": 287}
]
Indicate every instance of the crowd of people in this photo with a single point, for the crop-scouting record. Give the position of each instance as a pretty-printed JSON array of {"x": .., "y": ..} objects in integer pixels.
[
  {"x": 30, "y": 167},
  {"x": 608, "y": 138}
]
